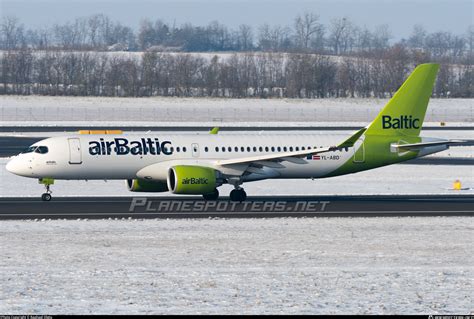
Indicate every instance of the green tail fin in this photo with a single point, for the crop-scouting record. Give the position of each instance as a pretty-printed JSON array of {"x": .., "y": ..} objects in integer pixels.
[{"x": 405, "y": 112}]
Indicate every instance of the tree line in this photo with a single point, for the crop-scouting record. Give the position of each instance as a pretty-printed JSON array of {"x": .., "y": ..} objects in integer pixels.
[
  {"x": 248, "y": 74},
  {"x": 306, "y": 35}
]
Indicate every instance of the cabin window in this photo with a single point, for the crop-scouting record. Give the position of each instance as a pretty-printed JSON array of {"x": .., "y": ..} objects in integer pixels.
[
  {"x": 291, "y": 148},
  {"x": 178, "y": 149},
  {"x": 297, "y": 148},
  {"x": 266, "y": 148},
  {"x": 206, "y": 149},
  {"x": 248, "y": 148},
  {"x": 254, "y": 149},
  {"x": 236, "y": 149},
  {"x": 229, "y": 149},
  {"x": 223, "y": 148},
  {"x": 284, "y": 148},
  {"x": 184, "y": 148},
  {"x": 242, "y": 149},
  {"x": 217, "y": 149},
  {"x": 260, "y": 149},
  {"x": 273, "y": 148},
  {"x": 279, "y": 149}
]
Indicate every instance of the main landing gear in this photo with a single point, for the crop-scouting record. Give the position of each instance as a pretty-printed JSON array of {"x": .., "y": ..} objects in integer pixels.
[
  {"x": 212, "y": 196},
  {"x": 47, "y": 182},
  {"x": 238, "y": 195}
]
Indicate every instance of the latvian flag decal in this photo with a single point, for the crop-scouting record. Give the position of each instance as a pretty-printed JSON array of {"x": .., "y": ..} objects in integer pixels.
[{"x": 313, "y": 157}]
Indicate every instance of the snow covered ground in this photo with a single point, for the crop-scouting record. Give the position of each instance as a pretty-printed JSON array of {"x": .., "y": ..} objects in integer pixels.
[
  {"x": 47, "y": 110},
  {"x": 238, "y": 266}
]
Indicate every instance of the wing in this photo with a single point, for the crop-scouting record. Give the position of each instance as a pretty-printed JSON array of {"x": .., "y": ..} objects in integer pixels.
[{"x": 294, "y": 157}]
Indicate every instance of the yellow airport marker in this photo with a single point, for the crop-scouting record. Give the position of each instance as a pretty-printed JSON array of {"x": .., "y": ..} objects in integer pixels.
[{"x": 457, "y": 185}]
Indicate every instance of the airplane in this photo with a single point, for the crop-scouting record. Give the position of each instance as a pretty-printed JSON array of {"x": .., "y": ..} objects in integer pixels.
[{"x": 197, "y": 164}]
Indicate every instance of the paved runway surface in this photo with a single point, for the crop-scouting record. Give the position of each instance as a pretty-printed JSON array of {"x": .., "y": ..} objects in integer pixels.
[
  {"x": 12, "y": 145},
  {"x": 265, "y": 206}
]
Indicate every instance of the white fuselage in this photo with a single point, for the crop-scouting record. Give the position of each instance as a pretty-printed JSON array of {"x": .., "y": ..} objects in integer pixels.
[{"x": 96, "y": 157}]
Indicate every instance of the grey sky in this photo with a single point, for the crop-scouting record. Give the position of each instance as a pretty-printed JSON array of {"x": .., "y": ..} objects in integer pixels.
[{"x": 434, "y": 15}]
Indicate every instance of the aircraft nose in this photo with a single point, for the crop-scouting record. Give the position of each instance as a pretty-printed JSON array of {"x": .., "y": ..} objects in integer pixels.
[{"x": 17, "y": 167}]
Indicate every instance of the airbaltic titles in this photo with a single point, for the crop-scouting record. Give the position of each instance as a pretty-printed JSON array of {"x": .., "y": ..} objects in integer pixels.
[{"x": 122, "y": 146}]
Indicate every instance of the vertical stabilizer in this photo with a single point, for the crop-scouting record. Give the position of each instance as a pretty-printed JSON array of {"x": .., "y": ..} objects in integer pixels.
[{"x": 405, "y": 112}]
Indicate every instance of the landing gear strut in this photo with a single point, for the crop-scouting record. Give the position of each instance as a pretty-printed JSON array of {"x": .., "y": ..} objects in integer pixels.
[
  {"x": 47, "y": 182},
  {"x": 238, "y": 195},
  {"x": 212, "y": 196}
]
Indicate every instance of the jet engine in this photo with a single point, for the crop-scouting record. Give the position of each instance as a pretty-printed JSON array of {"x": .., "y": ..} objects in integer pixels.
[
  {"x": 142, "y": 185},
  {"x": 187, "y": 179}
]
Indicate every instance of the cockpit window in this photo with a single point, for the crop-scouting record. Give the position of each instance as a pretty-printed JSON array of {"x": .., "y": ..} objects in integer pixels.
[
  {"x": 29, "y": 149},
  {"x": 42, "y": 150}
]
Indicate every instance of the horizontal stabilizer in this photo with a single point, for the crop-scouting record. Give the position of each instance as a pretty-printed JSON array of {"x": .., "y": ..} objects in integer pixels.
[{"x": 417, "y": 146}]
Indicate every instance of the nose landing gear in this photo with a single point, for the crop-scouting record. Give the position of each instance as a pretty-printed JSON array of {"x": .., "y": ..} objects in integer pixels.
[{"x": 47, "y": 182}]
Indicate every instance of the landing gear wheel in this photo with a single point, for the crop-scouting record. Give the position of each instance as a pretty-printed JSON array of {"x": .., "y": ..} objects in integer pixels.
[
  {"x": 238, "y": 195},
  {"x": 212, "y": 196},
  {"x": 46, "y": 197}
]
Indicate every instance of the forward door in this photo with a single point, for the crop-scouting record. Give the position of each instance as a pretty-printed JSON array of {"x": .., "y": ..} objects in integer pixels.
[{"x": 75, "y": 154}]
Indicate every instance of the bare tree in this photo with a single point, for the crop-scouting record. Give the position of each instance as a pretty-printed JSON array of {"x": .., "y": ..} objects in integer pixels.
[
  {"x": 363, "y": 39},
  {"x": 418, "y": 36},
  {"x": 306, "y": 27},
  {"x": 381, "y": 37},
  {"x": 245, "y": 38},
  {"x": 341, "y": 35},
  {"x": 12, "y": 33},
  {"x": 146, "y": 34},
  {"x": 273, "y": 38}
]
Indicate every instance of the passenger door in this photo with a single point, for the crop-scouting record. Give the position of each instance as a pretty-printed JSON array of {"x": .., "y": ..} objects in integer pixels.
[{"x": 75, "y": 154}]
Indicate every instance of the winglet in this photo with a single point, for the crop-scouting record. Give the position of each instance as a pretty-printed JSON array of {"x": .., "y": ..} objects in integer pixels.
[
  {"x": 351, "y": 140},
  {"x": 214, "y": 130}
]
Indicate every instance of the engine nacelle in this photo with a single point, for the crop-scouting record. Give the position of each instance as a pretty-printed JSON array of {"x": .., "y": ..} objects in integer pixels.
[
  {"x": 142, "y": 185},
  {"x": 187, "y": 179}
]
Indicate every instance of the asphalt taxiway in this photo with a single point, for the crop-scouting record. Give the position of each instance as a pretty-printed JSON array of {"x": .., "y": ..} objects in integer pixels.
[{"x": 253, "y": 207}]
